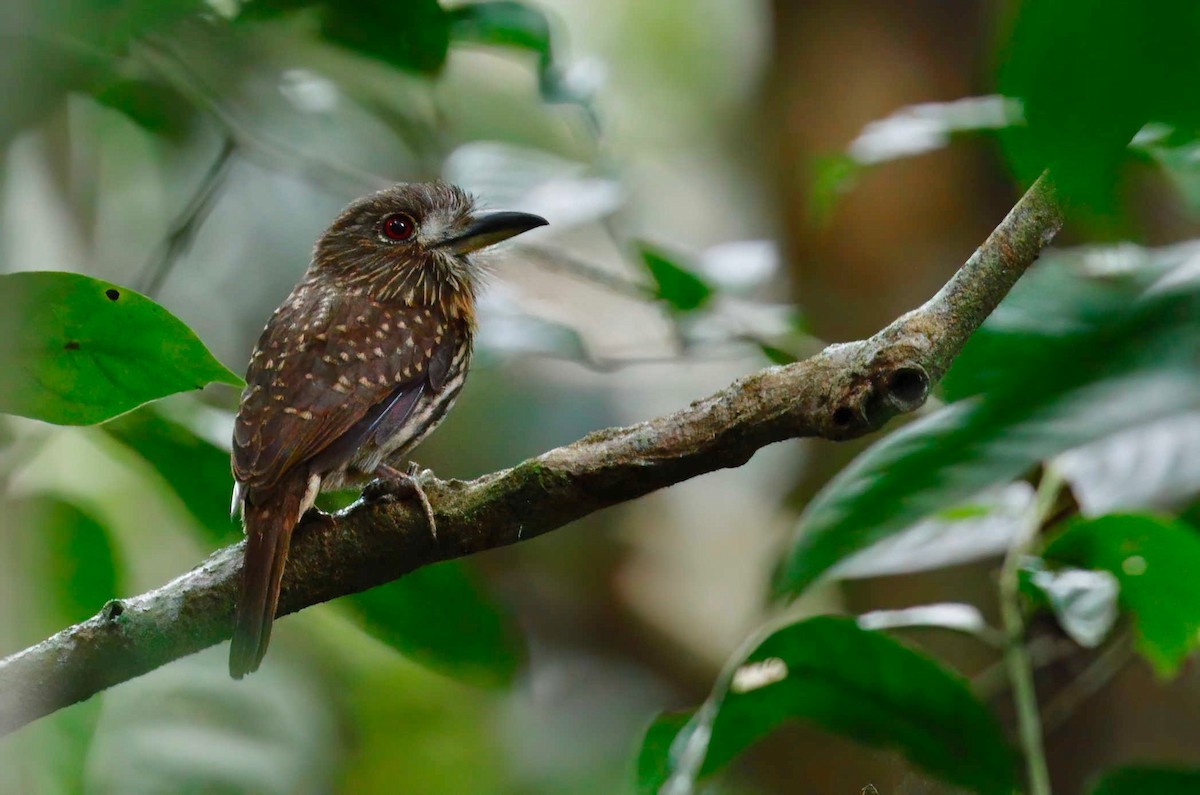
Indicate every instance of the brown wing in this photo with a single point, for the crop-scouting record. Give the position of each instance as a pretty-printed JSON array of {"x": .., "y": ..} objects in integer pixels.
[{"x": 322, "y": 364}]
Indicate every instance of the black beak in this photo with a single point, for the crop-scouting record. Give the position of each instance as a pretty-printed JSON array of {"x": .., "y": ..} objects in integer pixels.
[{"x": 489, "y": 229}]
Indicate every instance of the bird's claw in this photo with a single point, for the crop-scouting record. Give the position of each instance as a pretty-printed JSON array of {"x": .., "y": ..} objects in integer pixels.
[{"x": 393, "y": 484}]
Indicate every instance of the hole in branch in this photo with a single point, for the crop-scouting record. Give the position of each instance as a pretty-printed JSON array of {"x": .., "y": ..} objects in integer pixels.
[
  {"x": 843, "y": 416},
  {"x": 113, "y": 610},
  {"x": 909, "y": 385}
]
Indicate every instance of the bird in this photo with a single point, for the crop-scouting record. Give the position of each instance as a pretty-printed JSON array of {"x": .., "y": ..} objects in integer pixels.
[{"x": 360, "y": 362}]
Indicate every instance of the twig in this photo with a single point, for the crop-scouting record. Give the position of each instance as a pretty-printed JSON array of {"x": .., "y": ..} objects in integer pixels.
[
  {"x": 845, "y": 391},
  {"x": 1016, "y": 658},
  {"x": 185, "y": 226},
  {"x": 1100, "y": 672}
]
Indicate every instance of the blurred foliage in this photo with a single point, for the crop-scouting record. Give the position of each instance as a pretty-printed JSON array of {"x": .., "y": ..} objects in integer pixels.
[
  {"x": 440, "y": 616},
  {"x": 1077, "y": 381},
  {"x": 848, "y": 680},
  {"x": 78, "y": 351},
  {"x": 1088, "y": 372},
  {"x": 1154, "y": 561},
  {"x": 1089, "y": 76}
]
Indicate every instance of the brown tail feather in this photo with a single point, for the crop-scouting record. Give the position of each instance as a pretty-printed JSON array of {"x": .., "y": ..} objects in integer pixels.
[{"x": 269, "y": 525}]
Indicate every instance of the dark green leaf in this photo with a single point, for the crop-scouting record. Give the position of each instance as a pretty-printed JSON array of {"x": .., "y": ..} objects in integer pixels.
[
  {"x": 440, "y": 616},
  {"x": 850, "y": 681},
  {"x": 410, "y": 34},
  {"x": 155, "y": 106},
  {"x": 76, "y": 350},
  {"x": 654, "y": 758},
  {"x": 1148, "y": 781},
  {"x": 1090, "y": 75},
  {"x": 503, "y": 23},
  {"x": 195, "y": 469},
  {"x": 681, "y": 289},
  {"x": 1155, "y": 560},
  {"x": 1137, "y": 365}
]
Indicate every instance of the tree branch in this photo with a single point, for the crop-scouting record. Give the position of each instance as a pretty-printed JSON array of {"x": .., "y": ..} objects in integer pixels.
[{"x": 844, "y": 391}]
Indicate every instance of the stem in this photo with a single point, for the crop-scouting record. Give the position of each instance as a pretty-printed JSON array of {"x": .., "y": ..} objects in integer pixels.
[{"x": 1016, "y": 657}]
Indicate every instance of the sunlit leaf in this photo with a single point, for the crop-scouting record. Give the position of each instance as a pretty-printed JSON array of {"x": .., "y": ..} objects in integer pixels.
[
  {"x": 1147, "y": 781},
  {"x": 1085, "y": 381},
  {"x": 76, "y": 350},
  {"x": 954, "y": 616},
  {"x": 680, "y": 288},
  {"x": 441, "y": 617},
  {"x": 1155, "y": 560},
  {"x": 850, "y": 681}
]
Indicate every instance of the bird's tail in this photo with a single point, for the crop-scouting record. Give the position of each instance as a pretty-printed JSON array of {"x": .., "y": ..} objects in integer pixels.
[{"x": 269, "y": 519}]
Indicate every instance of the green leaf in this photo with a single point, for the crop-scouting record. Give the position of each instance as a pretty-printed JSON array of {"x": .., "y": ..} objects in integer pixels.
[
  {"x": 1085, "y": 381},
  {"x": 440, "y": 617},
  {"x": 654, "y": 758},
  {"x": 1090, "y": 75},
  {"x": 681, "y": 289},
  {"x": 413, "y": 35},
  {"x": 503, "y": 23},
  {"x": 194, "y": 468},
  {"x": 1155, "y": 560},
  {"x": 849, "y": 681},
  {"x": 76, "y": 350},
  {"x": 1147, "y": 781}
]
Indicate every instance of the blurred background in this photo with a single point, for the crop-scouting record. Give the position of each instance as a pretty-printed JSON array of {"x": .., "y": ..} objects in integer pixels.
[{"x": 717, "y": 202}]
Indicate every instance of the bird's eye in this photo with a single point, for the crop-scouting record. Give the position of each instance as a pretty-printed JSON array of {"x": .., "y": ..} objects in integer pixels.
[{"x": 399, "y": 227}]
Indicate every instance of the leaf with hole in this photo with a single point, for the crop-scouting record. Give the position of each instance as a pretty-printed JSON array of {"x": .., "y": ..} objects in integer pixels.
[
  {"x": 1087, "y": 381},
  {"x": 77, "y": 351},
  {"x": 849, "y": 681},
  {"x": 1155, "y": 560}
]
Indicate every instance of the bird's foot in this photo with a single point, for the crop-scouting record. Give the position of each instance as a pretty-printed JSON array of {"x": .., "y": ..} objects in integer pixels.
[{"x": 401, "y": 485}]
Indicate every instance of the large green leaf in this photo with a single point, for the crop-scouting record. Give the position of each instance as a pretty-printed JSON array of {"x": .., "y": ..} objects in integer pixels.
[
  {"x": 441, "y": 617},
  {"x": 76, "y": 350},
  {"x": 1090, "y": 75},
  {"x": 1034, "y": 392},
  {"x": 1148, "y": 781},
  {"x": 854, "y": 682},
  {"x": 1156, "y": 561}
]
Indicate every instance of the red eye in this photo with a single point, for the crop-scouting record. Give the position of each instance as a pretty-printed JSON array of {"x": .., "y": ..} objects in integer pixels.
[{"x": 399, "y": 227}]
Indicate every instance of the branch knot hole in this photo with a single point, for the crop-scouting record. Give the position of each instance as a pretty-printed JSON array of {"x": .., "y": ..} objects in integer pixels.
[
  {"x": 112, "y": 610},
  {"x": 908, "y": 387}
]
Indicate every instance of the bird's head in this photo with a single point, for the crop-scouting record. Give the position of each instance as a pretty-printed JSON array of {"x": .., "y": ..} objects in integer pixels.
[{"x": 414, "y": 241}]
